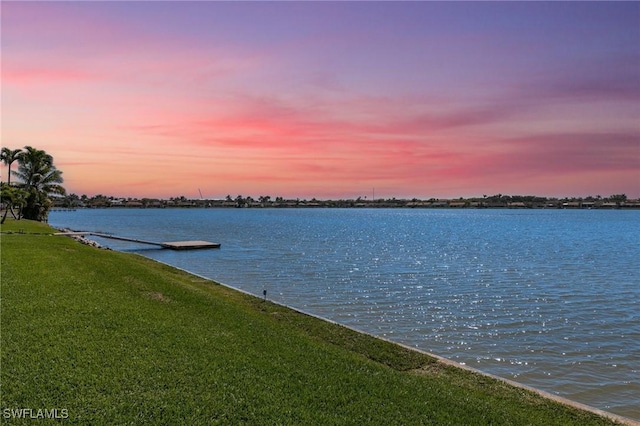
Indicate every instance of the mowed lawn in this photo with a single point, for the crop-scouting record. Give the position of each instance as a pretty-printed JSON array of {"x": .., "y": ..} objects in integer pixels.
[{"x": 115, "y": 338}]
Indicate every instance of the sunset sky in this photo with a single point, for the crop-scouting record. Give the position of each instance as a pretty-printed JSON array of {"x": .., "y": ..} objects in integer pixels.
[{"x": 327, "y": 99}]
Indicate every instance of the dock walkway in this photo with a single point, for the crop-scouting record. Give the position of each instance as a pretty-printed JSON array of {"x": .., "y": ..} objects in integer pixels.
[{"x": 173, "y": 245}]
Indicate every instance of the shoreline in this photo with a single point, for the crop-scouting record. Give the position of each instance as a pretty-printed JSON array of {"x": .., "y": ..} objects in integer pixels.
[
  {"x": 507, "y": 379},
  {"x": 565, "y": 401},
  {"x": 407, "y": 313},
  {"x": 210, "y": 283},
  {"x": 364, "y": 204}
]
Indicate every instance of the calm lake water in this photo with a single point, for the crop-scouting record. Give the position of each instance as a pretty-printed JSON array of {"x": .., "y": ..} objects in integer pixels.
[{"x": 548, "y": 298}]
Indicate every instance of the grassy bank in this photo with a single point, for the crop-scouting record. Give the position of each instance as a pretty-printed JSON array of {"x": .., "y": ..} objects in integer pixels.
[{"x": 114, "y": 338}]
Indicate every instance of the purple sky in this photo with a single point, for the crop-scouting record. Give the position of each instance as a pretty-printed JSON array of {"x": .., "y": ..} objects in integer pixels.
[{"x": 327, "y": 99}]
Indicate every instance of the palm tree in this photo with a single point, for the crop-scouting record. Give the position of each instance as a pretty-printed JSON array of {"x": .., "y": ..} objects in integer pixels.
[
  {"x": 40, "y": 178},
  {"x": 12, "y": 196},
  {"x": 8, "y": 156}
]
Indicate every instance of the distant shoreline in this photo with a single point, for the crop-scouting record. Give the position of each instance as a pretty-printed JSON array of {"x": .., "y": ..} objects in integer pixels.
[{"x": 474, "y": 203}]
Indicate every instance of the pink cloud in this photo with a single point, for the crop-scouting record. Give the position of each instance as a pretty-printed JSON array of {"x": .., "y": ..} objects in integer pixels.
[
  {"x": 29, "y": 76},
  {"x": 297, "y": 145},
  {"x": 574, "y": 152}
]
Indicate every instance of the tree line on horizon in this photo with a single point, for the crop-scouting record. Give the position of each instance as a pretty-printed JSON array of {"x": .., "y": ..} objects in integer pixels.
[
  {"x": 100, "y": 200},
  {"x": 30, "y": 197}
]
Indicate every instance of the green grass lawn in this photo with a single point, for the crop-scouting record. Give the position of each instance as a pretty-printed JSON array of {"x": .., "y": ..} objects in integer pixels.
[{"x": 115, "y": 338}]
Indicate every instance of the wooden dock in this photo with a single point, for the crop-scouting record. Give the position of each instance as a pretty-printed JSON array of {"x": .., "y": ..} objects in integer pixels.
[
  {"x": 173, "y": 245},
  {"x": 189, "y": 245}
]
